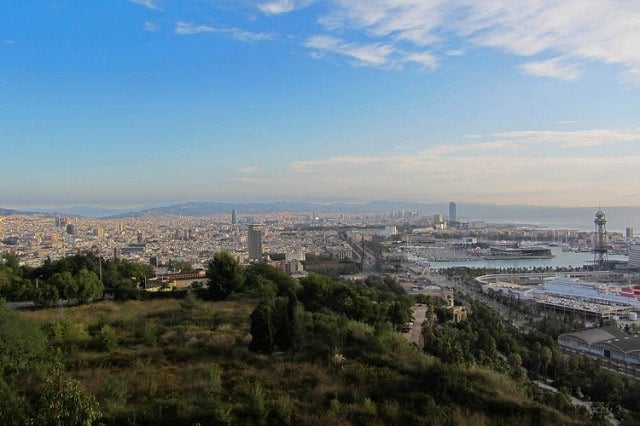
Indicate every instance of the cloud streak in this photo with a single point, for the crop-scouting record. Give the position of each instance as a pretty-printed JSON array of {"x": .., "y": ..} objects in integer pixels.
[
  {"x": 249, "y": 170},
  {"x": 553, "y": 68},
  {"x": 186, "y": 28},
  {"x": 149, "y": 4},
  {"x": 371, "y": 54},
  {"x": 530, "y": 167},
  {"x": 278, "y": 7},
  {"x": 150, "y": 27},
  {"x": 364, "y": 54},
  {"x": 574, "y": 33}
]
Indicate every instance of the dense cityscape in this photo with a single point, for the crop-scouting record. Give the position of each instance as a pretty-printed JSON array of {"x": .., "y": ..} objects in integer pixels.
[
  {"x": 319, "y": 212},
  {"x": 158, "y": 240},
  {"x": 592, "y": 284}
]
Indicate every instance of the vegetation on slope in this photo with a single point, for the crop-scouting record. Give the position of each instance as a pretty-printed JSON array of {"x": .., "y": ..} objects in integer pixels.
[{"x": 334, "y": 358}]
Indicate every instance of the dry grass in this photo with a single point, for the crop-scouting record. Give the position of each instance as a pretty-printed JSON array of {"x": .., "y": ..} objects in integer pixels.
[{"x": 110, "y": 310}]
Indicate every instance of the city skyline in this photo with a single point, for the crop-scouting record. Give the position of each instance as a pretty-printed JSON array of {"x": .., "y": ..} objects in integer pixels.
[{"x": 150, "y": 102}]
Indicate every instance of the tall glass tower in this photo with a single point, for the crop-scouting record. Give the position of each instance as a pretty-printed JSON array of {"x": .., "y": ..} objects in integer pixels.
[
  {"x": 453, "y": 214},
  {"x": 254, "y": 241}
]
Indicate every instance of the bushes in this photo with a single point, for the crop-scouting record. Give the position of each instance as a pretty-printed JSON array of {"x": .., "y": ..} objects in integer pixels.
[
  {"x": 32, "y": 389},
  {"x": 361, "y": 302},
  {"x": 106, "y": 339},
  {"x": 173, "y": 365},
  {"x": 274, "y": 324}
]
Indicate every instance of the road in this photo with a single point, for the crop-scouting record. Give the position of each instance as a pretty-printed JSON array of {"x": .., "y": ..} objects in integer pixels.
[
  {"x": 507, "y": 314},
  {"x": 415, "y": 334},
  {"x": 474, "y": 292}
]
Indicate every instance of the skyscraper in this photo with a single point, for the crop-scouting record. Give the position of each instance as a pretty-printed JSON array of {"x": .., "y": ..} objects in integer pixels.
[
  {"x": 254, "y": 241},
  {"x": 453, "y": 215},
  {"x": 234, "y": 219}
]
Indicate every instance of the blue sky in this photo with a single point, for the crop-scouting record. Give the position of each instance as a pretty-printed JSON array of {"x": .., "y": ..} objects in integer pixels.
[{"x": 136, "y": 102}]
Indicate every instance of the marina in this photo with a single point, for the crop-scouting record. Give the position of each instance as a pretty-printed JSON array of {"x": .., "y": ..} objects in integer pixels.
[{"x": 559, "y": 259}]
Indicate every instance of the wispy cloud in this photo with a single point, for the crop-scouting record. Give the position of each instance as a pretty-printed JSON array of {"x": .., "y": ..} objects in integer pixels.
[
  {"x": 576, "y": 33},
  {"x": 632, "y": 75},
  {"x": 369, "y": 54},
  {"x": 530, "y": 167},
  {"x": 9, "y": 41},
  {"x": 575, "y": 139},
  {"x": 553, "y": 68},
  {"x": 426, "y": 59},
  {"x": 454, "y": 52},
  {"x": 364, "y": 54},
  {"x": 186, "y": 28},
  {"x": 149, "y": 4},
  {"x": 278, "y": 7},
  {"x": 150, "y": 26},
  {"x": 246, "y": 36},
  {"x": 249, "y": 170}
]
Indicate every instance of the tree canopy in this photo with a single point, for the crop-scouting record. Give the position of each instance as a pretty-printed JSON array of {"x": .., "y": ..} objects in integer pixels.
[{"x": 225, "y": 275}]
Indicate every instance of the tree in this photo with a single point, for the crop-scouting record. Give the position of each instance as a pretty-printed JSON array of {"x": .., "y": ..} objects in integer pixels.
[
  {"x": 89, "y": 286},
  {"x": 257, "y": 273},
  {"x": 64, "y": 402},
  {"x": 515, "y": 363},
  {"x": 45, "y": 295},
  {"x": 11, "y": 260},
  {"x": 65, "y": 283},
  {"x": 225, "y": 275},
  {"x": 261, "y": 329},
  {"x": 283, "y": 326},
  {"x": 398, "y": 315},
  {"x": 180, "y": 265}
]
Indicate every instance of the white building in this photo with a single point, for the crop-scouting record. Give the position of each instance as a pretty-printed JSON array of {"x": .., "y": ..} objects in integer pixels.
[{"x": 634, "y": 256}]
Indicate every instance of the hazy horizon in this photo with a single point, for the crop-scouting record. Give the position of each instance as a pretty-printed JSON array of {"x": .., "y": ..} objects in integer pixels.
[
  {"x": 618, "y": 217},
  {"x": 143, "y": 102},
  {"x": 117, "y": 206}
]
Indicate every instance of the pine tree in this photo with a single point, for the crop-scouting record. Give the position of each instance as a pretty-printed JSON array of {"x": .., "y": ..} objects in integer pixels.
[{"x": 261, "y": 329}]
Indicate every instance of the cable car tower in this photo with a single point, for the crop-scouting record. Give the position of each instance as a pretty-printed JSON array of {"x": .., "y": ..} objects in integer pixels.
[{"x": 600, "y": 243}]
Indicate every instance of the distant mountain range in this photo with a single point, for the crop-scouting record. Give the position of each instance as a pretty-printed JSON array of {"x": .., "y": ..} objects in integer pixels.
[
  {"x": 7, "y": 212},
  {"x": 556, "y": 217},
  {"x": 204, "y": 208}
]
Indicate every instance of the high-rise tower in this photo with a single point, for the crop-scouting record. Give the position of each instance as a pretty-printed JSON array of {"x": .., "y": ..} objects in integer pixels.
[
  {"x": 600, "y": 243},
  {"x": 453, "y": 214},
  {"x": 234, "y": 218},
  {"x": 254, "y": 241}
]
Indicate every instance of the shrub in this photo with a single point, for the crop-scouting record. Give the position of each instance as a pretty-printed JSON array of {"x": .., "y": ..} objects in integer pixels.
[{"x": 107, "y": 339}]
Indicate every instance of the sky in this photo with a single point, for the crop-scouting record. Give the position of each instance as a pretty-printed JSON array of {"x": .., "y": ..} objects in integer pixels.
[{"x": 126, "y": 103}]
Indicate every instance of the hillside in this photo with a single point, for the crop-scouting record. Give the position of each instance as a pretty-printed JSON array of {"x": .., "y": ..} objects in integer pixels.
[
  {"x": 255, "y": 347},
  {"x": 178, "y": 362}
]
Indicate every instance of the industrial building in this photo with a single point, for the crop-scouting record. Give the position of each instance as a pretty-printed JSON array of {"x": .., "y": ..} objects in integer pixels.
[
  {"x": 616, "y": 348},
  {"x": 634, "y": 256},
  {"x": 565, "y": 294}
]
